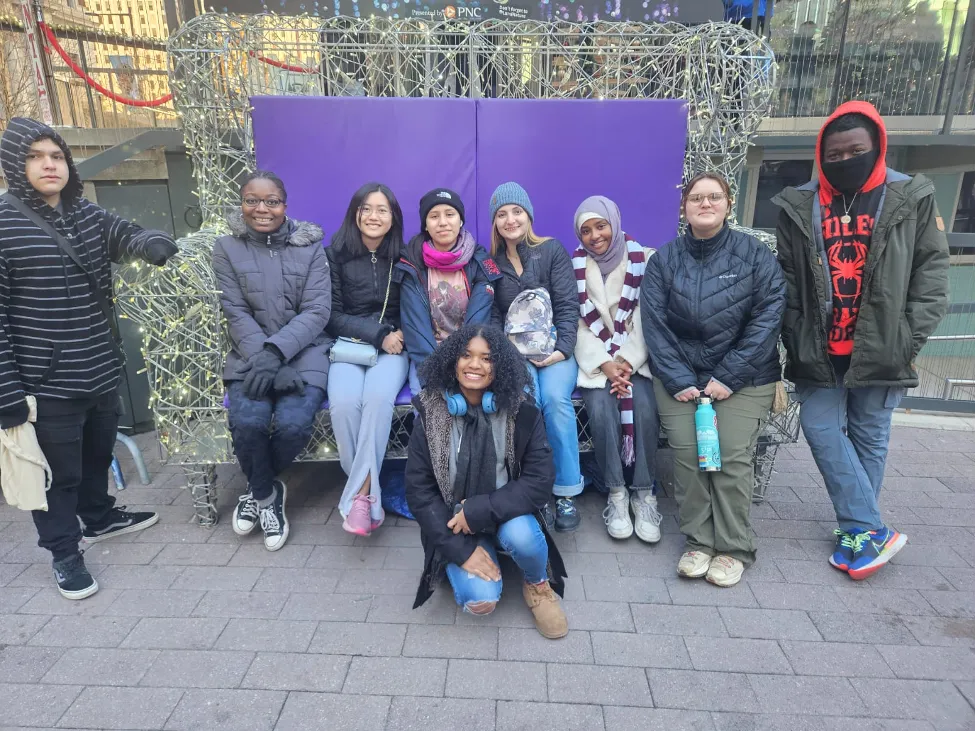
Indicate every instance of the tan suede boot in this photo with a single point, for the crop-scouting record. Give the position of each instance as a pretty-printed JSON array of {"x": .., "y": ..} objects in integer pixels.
[{"x": 551, "y": 621}]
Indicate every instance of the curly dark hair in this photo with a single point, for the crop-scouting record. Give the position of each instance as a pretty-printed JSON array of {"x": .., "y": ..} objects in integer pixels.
[{"x": 510, "y": 375}]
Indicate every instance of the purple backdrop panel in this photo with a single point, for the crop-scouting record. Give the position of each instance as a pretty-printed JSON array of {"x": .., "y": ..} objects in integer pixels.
[
  {"x": 564, "y": 150},
  {"x": 324, "y": 148}
]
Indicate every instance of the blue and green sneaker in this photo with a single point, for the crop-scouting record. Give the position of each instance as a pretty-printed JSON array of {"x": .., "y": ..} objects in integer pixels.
[{"x": 873, "y": 550}]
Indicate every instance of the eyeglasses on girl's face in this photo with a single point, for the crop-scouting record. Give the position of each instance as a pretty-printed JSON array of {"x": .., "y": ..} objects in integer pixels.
[
  {"x": 697, "y": 198},
  {"x": 378, "y": 211},
  {"x": 252, "y": 202}
]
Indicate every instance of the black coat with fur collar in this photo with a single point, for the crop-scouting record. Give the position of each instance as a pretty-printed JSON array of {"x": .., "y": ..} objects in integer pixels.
[{"x": 529, "y": 461}]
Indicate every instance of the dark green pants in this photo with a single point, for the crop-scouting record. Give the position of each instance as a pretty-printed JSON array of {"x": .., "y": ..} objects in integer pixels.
[{"x": 714, "y": 507}]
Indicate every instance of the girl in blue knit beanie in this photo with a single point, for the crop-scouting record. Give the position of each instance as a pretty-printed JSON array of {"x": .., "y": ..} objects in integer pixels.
[{"x": 535, "y": 269}]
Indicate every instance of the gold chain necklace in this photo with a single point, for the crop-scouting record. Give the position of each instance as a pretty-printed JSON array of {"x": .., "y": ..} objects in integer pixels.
[{"x": 846, "y": 218}]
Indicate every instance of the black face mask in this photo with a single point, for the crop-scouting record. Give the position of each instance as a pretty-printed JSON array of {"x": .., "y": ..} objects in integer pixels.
[{"x": 848, "y": 176}]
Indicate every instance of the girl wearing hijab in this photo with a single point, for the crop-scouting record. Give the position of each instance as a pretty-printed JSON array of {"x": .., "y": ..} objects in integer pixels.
[
  {"x": 613, "y": 372},
  {"x": 446, "y": 279},
  {"x": 479, "y": 471}
]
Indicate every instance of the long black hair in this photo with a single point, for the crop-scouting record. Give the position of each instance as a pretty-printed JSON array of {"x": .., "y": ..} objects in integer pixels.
[
  {"x": 510, "y": 375},
  {"x": 348, "y": 241},
  {"x": 265, "y": 175}
]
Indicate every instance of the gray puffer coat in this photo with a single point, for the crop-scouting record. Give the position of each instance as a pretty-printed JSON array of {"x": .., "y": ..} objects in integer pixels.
[{"x": 275, "y": 289}]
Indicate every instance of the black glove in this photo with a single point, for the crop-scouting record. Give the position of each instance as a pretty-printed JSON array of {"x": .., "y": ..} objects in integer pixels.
[
  {"x": 14, "y": 415},
  {"x": 264, "y": 365},
  {"x": 288, "y": 380},
  {"x": 159, "y": 249}
]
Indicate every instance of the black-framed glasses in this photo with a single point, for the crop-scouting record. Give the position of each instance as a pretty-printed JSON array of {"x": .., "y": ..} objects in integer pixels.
[{"x": 269, "y": 202}]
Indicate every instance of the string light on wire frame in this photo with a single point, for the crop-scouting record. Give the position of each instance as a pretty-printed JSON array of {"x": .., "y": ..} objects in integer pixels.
[{"x": 218, "y": 61}]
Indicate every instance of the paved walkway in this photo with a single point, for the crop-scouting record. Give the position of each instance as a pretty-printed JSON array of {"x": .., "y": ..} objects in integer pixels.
[{"x": 197, "y": 629}]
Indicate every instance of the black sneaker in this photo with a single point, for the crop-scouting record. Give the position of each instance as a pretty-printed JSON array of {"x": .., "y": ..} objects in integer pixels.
[
  {"x": 74, "y": 581},
  {"x": 117, "y": 523},
  {"x": 245, "y": 515},
  {"x": 273, "y": 520},
  {"x": 567, "y": 517}
]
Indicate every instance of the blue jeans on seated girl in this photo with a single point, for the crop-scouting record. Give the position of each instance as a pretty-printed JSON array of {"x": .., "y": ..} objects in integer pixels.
[
  {"x": 523, "y": 540},
  {"x": 262, "y": 451},
  {"x": 554, "y": 388}
]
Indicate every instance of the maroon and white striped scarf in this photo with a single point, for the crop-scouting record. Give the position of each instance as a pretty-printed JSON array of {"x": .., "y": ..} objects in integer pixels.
[{"x": 613, "y": 342}]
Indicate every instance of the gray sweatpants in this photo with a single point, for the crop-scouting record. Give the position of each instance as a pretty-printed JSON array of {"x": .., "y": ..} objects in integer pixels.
[
  {"x": 361, "y": 404},
  {"x": 604, "y": 415}
]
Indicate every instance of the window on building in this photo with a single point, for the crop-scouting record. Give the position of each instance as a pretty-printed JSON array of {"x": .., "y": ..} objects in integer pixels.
[
  {"x": 963, "y": 219},
  {"x": 775, "y": 175}
]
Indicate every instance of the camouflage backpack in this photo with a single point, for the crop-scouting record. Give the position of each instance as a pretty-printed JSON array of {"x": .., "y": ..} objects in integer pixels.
[{"x": 529, "y": 323}]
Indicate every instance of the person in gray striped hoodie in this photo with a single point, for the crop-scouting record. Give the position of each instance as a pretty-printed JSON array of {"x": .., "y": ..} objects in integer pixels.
[{"x": 57, "y": 341}]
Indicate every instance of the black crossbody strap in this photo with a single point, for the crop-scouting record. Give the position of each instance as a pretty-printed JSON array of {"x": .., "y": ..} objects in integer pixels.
[{"x": 69, "y": 250}]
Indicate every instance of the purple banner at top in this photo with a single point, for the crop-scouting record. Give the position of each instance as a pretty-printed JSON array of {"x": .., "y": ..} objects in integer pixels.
[
  {"x": 561, "y": 151},
  {"x": 565, "y": 150},
  {"x": 324, "y": 148}
]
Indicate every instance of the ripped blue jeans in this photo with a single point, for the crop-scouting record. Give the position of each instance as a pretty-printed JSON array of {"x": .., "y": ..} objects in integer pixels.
[{"x": 523, "y": 540}]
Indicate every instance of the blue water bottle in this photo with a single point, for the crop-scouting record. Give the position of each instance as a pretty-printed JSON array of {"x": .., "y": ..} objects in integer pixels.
[{"x": 707, "y": 436}]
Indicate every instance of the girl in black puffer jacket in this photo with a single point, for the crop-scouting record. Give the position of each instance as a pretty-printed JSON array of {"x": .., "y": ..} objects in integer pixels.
[
  {"x": 366, "y": 306},
  {"x": 712, "y": 302}
]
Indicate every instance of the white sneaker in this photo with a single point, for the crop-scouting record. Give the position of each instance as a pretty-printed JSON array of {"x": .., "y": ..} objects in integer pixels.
[
  {"x": 616, "y": 516},
  {"x": 693, "y": 564},
  {"x": 725, "y": 571},
  {"x": 647, "y": 519}
]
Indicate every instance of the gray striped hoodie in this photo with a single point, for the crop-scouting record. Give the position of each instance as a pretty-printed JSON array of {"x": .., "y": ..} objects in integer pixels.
[{"x": 54, "y": 340}]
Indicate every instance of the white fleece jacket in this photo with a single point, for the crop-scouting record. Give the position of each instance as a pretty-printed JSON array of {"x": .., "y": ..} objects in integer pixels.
[{"x": 590, "y": 351}]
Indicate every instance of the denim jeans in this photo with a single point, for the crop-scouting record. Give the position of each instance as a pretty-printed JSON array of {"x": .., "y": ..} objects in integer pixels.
[
  {"x": 262, "y": 451},
  {"x": 848, "y": 432},
  {"x": 604, "y": 414},
  {"x": 523, "y": 540},
  {"x": 554, "y": 388}
]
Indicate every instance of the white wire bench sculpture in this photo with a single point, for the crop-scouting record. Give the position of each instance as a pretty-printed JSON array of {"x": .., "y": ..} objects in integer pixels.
[{"x": 219, "y": 61}]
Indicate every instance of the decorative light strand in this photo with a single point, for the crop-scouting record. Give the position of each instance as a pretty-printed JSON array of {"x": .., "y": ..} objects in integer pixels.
[{"x": 724, "y": 72}]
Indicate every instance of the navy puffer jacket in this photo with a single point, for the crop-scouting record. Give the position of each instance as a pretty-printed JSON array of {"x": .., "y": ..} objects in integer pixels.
[{"x": 712, "y": 309}]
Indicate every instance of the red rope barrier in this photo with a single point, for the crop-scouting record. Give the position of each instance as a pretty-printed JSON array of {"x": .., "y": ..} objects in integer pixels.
[
  {"x": 281, "y": 65},
  {"x": 53, "y": 43}
]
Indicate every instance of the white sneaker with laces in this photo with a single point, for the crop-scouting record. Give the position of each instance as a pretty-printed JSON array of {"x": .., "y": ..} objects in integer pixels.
[
  {"x": 647, "y": 519},
  {"x": 725, "y": 571},
  {"x": 616, "y": 515},
  {"x": 693, "y": 564}
]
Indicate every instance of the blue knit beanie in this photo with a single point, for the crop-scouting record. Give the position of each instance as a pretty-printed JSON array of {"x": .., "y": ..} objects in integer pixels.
[{"x": 511, "y": 194}]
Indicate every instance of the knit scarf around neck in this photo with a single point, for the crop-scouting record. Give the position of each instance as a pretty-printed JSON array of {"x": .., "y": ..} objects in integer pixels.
[
  {"x": 613, "y": 341},
  {"x": 456, "y": 258},
  {"x": 476, "y": 456}
]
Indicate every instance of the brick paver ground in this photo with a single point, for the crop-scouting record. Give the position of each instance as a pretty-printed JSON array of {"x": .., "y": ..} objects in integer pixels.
[{"x": 197, "y": 629}]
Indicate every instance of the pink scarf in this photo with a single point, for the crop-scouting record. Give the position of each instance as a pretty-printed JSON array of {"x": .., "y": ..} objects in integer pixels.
[{"x": 453, "y": 260}]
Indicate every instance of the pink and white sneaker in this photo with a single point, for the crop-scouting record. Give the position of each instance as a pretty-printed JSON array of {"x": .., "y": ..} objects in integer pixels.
[{"x": 359, "y": 521}]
